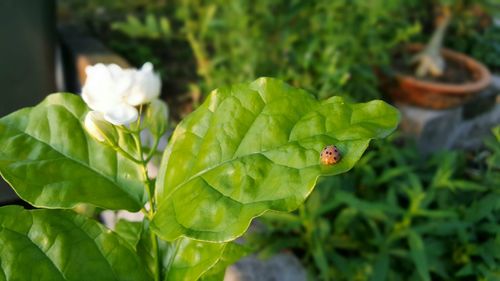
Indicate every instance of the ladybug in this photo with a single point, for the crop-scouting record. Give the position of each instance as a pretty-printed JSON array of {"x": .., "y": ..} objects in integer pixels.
[{"x": 330, "y": 155}]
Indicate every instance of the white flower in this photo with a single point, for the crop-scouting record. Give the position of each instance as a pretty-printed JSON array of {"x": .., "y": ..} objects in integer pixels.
[
  {"x": 146, "y": 86},
  {"x": 115, "y": 92}
]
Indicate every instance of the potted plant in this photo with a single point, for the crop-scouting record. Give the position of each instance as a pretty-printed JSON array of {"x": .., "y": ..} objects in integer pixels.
[{"x": 432, "y": 76}]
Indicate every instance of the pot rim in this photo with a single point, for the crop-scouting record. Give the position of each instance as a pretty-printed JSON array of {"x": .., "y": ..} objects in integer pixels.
[{"x": 446, "y": 88}]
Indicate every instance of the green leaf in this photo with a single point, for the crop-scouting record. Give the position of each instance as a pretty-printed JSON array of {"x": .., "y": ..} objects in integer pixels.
[
  {"x": 343, "y": 219},
  {"x": 375, "y": 210},
  {"x": 482, "y": 208},
  {"x": 254, "y": 147},
  {"x": 391, "y": 174},
  {"x": 61, "y": 245},
  {"x": 190, "y": 259},
  {"x": 51, "y": 161},
  {"x": 496, "y": 132},
  {"x": 417, "y": 252},
  {"x": 130, "y": 231},
  {"x": 381, "y": 267}
]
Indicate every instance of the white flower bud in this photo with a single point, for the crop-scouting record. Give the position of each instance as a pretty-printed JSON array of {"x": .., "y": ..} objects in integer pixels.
[
  {"x": 99, "y": 129},
  {"x": 156, "y": 117}
]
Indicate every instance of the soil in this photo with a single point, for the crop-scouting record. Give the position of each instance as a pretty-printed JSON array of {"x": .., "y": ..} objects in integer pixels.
[{"x": 454, "y": 73}]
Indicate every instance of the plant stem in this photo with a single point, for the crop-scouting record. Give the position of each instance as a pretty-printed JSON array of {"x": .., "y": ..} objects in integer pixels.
[
  {"x": 126, "y": 154},
  {"x": 152, "y": 206},
  {"x": 153, "y": 151},
  {"x": 156, "y": 250}
]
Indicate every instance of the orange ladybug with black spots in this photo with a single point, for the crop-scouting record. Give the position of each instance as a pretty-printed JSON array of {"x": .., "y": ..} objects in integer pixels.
[{"x": 330, "y": 155}]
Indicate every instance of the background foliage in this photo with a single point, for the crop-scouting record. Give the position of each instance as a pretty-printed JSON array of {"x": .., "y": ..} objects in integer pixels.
[{"x": 326, "y": 47}]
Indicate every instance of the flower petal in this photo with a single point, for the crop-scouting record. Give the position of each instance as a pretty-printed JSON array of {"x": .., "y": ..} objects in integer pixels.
[
  {"x": 106, "y": 86},
  {"x": 146, "y": 86}
]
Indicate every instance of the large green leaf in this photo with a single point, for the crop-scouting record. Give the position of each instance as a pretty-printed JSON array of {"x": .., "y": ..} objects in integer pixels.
[
  {"x": 57, "y": 245},
  {"x": 254, "y": 147},
  {"x": 51, "y": 162}
]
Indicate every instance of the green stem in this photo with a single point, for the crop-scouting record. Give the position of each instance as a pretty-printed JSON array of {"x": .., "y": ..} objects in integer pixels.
[
  {"x": 152, "y": 152},
  {"x": 152, "y": 206},
  {"x": 154, "y": 239},
  {"x": 156, "y": 251},
  {"x": 127, "y": 155},
  {"x": 139, "y": 119}
]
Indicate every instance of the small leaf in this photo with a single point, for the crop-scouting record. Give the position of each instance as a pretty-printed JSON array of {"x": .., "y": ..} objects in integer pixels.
[
  {"x": 390, "y": 174},
  {"x": 51, "y": 161},
  {"x": 151, "y": 26},
  {"x": 130, "y": 231},
  {"x": 165, "y": 26},
  {"x": 466, "y": 270},
  {"x": 343, "y": 219},
  {"x": 381, "y": 267},
  {"x": 254, "y": 147},
  {"x": 417, "y": 252},
  {"x": 138, "y": 236},
  {"x": 61, "y": 245},
  {"x": 232, "y": 253},
  {"x": 496, "y": 132},
  {"x": 482, "y": 208}
]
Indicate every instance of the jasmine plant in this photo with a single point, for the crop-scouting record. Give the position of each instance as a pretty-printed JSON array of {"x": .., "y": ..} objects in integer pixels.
[{"x": 248, "y": 149}]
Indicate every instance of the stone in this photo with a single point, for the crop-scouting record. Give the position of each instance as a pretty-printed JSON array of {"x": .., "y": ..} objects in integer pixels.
[
  {"x": 280, "y": 267},
  {"x": 495, "y": 81},
  {"x": 470, "y": 134},
  {"x": 429, "y": 127},
  {"x": 481, "y": 104}
]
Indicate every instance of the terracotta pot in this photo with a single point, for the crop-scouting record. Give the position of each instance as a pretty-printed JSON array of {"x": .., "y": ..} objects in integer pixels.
[{"x": 409, "y": 89}]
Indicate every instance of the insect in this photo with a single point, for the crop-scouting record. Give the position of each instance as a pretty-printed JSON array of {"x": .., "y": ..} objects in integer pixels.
[{"x": 330, "y": 155}]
